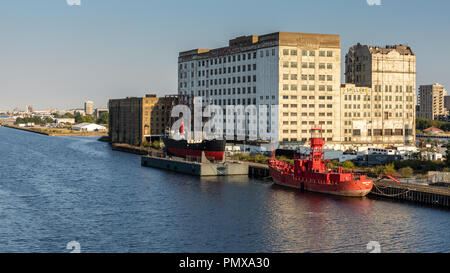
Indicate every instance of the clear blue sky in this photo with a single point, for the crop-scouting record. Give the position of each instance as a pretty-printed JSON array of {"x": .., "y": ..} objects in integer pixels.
[{"x": 56, "y": 55}]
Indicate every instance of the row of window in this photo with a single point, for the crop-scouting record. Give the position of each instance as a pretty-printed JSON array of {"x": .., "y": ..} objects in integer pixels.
[
  {"x": 231, "y": 80},
  {"x": 379, "y": 132},
  {"x": 294, "y": 105},
  {"x": 229, "y": 59},
  {"x": 287, "y": 64},
  {"x": 293, "y": 52},
  {"x": 231, "y": 91},
  {"x": 224, "y": 70},
  {"x": 293, "y": 87},
  {"x": 329, "y": 139},
  {"x": 398, "y": 88}
]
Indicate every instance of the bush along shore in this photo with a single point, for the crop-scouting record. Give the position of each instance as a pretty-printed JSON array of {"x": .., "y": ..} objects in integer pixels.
[{"x": 57, "y": 131}]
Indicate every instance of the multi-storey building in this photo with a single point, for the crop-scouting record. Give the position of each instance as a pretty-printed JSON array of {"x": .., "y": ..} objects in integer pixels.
[
  {"x": 390, "y": 75},
  {"x": 89, "y": 108},
  {"x": 447, "y": 104},
  {"x": 135, "y": 120},
  {"x": 297, "y": 71},
  {"x": 431, "y": 102}
]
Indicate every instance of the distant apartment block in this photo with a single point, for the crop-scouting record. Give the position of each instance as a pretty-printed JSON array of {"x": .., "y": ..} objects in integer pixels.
[
  {"x": 134, "y": 120},
  {"x": 89, "y": 108},
  {"x": 431, "y": 102},
  {"x": 447, "y": 104},
  {"x": 299, "y": 72},
  {"x": 99, "y": 111},
  {"x": 389, "y": 75}
]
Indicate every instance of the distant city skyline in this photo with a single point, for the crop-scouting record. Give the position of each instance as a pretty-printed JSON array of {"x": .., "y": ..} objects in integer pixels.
[{"x": 58, "y": 56}]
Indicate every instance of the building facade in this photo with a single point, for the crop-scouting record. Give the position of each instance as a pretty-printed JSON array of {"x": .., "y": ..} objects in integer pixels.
[
  {"x": 389, "y": 74},
  {"x": 89, "y": 108},
  {"x": 134, "y": 120},
  {"x": 99, "y": 111},
  {"x": 447, "y": 104},
  {"x": 431, "y": 102},
  {"x": 298, "y": 72}
]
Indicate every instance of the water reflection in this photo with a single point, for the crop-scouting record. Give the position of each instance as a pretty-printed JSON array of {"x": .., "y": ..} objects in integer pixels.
[{"x": 56, "y": 190}]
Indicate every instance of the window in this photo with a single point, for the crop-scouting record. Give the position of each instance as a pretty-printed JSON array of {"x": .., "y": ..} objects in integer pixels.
[
  {"x": 322, "y": 53},
  {"x": 304, "y": 53},
  {"x": 294, "y": 64},
  {"x": 304, "y": 65},
  {"x": 294, "y": 52},
  {"x": 312, "y": 53},
  {"x": 285, "y": 52},
  {"x": 311, "y": 65},
  {"x": 330, "y": 53},
  {"x": 285, "y": 64}
]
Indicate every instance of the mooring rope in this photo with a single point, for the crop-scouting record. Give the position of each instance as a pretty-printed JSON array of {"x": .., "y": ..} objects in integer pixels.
[{"x": 390, "y": 195}]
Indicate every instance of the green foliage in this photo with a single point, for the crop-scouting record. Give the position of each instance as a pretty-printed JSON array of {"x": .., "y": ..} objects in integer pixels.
[
  {"x": 285, "y": 159},
  {"x": 156, "y": 144},
  {"x": 66, "y": 115},
  {"x": 388, "y": 169},
  {"x": 35, "y": 120},
  {"x": 83, "y": 119},
  {"x": 259, "y": 158},
  {"x": 406, "y": 172},
  {"x": 104, "y": 118},
  {"x": 348, "y": 165},
  {"x": 146, "y": 144},
  {"x": 447, "y": 154},
  {"x": 422, "y": 124},
  {"x": 420, "y": 166}
]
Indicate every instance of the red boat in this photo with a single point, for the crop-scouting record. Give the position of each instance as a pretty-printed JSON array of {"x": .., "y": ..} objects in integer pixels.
[
  {"x": 213, "y": 149},
  {"x": 310, "y": 173}
]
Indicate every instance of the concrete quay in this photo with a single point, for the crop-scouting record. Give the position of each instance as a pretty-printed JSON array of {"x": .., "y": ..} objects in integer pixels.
[{"x": 197, "y": 168}]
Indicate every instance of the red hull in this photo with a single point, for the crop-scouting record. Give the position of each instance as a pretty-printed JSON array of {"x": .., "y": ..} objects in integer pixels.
[
  {"x": 352, "y": 188},
  {"x": 312, "y": 174},
  {"x": 211, "y": 155}
]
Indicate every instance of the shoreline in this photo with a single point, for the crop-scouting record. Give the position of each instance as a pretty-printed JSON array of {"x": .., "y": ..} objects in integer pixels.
[{"x": 43, "y": 132}]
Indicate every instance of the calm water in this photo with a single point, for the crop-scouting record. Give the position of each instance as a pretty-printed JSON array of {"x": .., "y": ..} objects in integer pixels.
[{"x": 54, "y": 190}]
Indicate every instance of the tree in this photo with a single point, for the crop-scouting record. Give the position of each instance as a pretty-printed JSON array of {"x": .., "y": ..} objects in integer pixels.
[
  {"x": 348, "y": 165},
  {"x": 447, "y": 154},
  {"x": 406, "y": 172},
  {"x": 104, "y": 118},
  {"x": 156, "y": 144},
  {"x": 83, "y": 119}
]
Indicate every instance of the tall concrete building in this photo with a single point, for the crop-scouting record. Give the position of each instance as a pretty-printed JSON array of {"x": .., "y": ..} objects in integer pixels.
[
  {"x": 390, "y": 74},
  {"x": 447, "y": 104},
  {"x": 134, "y": 120},
  {"x": 89, "y": 108},
  {"x": 431, "y": 102},
  {"x": 299, "y": 72}
]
